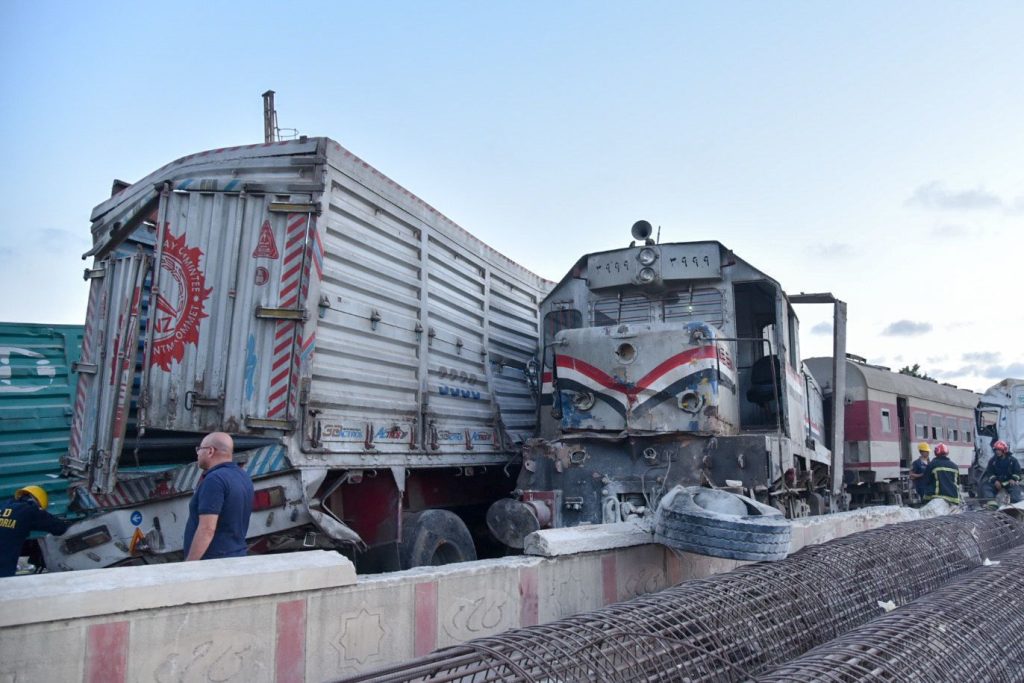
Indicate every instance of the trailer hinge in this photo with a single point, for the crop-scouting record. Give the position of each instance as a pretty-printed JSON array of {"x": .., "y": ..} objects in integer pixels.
[
  {"x": 293, "y": 207},
  {"x": 280, "y": 313},
  {"x": 265, "y": 423},
  {"x": 84, "y": 368},
  {"x": 94, "y": 273}
]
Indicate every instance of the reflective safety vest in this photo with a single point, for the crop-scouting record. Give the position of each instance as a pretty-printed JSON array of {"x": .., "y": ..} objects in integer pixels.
[{"x": 942, "y": 478}]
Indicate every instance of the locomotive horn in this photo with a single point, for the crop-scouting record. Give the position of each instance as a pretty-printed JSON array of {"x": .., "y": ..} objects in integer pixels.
[{"x": 641, "y": 230}]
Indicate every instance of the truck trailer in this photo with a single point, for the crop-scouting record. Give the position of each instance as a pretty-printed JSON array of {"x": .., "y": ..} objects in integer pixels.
[{"x": 368, "y": 356}]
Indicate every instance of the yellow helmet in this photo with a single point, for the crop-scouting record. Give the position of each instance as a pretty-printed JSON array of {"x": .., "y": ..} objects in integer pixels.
[
  {"x": 36, "y": 492},
  {"x": 923, "y": 447}
]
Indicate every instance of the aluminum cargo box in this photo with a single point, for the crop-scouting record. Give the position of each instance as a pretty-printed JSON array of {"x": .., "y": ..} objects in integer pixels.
[{"x": 295, "y": 294}]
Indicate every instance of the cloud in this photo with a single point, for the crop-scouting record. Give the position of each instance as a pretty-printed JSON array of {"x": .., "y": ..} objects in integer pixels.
[
  {"x": 832, "y": 250},
  {"x": 8, "y": 254},
  {"x": 949, "y": 231},
  {"x": 906, "y": 328},
  {"x": 822, "y": 328},
  {"x": 1004, "y": 371},
  {"x": 935, "y": 195},
  {"x": 934, "y": 360},
  {"x": 965, "y": 371},
  {"x": 981, "y": 357},
  {"x": 959, "y": 325}
]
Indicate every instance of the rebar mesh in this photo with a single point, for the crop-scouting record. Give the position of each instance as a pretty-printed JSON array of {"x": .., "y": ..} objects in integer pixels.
[
  {"x": 732, "y": 626},
  {"x": 968, "y": 630}
]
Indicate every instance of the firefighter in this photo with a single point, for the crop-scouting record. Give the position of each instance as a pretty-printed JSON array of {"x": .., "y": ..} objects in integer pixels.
[
  {"x": 1002, "y": 474},
  {"x": 942, "y": 477},
  {"x": 917, "y": 470},
  {"x": 20, "y": 515}
]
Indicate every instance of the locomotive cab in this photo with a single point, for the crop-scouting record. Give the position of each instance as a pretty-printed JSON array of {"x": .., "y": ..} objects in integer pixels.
[{"x": 666, "y": 364}]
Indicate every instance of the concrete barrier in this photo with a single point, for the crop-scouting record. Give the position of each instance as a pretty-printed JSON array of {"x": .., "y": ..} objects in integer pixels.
[{"x": 306, "y": 616}]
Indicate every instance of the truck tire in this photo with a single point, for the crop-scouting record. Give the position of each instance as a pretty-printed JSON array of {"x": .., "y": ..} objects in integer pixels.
[
  {"x": 720, "y": 543},
  {"x": 434, "y": 537},
  {"x": 721, "y": 524}
]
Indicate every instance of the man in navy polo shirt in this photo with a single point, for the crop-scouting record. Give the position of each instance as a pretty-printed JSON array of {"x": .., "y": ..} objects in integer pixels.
[{"x": 218, "y": 515}]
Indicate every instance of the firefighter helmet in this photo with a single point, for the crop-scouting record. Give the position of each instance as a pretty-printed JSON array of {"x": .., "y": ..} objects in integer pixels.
[
  {"x": 36, "y": 492},
  {"x": 923, "y": 447},
  {"x": 1001, "y": 446},
  {"x": 941, "y": 449}
]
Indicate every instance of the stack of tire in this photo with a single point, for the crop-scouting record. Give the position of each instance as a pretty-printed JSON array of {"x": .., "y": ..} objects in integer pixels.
[{"x": 721, "y": 524}]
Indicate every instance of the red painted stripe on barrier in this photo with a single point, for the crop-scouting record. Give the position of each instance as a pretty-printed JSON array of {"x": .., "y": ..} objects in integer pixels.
[
  {"x": 290, "y": 652},
  {"x": 106, "y": 654},
  {"x": 529, "y": 608},
  {"x": 425, "y": 640},
  {"x": 609, "y": 579}
]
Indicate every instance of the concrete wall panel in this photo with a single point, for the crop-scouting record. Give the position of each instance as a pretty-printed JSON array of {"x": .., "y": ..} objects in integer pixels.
[
  {"x": 210, "y": 642},
  {"x": 359, "y": 628},
  {"x": 27, "y": 653}
]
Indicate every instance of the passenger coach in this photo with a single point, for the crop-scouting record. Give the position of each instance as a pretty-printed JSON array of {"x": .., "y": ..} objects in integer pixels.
[{"x": 887, "y": 415}]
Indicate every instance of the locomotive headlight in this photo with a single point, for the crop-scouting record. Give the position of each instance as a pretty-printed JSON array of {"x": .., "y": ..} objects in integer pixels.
[
  {"x": 583, "y": 400},
  {"x": 645, "y": 275},
  {"x": 647, "y": 256}
]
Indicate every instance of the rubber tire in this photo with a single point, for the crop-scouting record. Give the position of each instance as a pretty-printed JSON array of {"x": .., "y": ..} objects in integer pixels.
[
  {"x": 683, "y": 523},
  {"x": 697, "y": 539},
  {"x": 433, "y": 538}
]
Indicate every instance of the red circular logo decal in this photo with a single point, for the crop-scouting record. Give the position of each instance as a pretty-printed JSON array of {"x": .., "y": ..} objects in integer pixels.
[{"x": 179, "y": 301}]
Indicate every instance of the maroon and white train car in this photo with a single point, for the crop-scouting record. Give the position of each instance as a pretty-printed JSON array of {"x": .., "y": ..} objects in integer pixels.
[{"x": 887, "y": 415}]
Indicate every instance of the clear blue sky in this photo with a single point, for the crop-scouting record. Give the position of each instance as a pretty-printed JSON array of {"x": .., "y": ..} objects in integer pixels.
[{"x": 871, "y": 149}]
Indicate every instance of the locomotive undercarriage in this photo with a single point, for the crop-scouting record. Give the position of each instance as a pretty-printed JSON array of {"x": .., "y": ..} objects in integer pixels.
[{"x": 592, "y": 479}]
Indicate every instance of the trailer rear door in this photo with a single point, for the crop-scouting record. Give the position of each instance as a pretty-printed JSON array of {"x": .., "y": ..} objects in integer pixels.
[
  {"x": 108, "y": 366},
  {"x": 228, "y": 312}
]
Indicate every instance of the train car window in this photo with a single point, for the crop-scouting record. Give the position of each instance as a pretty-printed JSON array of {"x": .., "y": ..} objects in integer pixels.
[
  {"x": 951, "y": 430},
  {"x": 937, "y": 428},
  {"x": 921, "y": 425},
  {"x": 886, "y": 421},
  {"x": 965, "y": 429}
]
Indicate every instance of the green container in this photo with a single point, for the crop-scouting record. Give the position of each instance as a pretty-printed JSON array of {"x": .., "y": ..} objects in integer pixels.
[{"x": 37, "y": 397}]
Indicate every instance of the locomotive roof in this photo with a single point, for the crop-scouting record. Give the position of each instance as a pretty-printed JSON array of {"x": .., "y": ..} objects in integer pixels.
[
  {"x": 880, "y": 379},
  {"x": 749, "y": 272}
]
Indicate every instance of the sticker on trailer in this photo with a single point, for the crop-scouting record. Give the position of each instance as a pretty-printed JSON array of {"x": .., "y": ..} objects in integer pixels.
[
  {"x": 267, "y": 245},
  {"x": 136, "y": 518},
  {"x": 180, "y": 303}
]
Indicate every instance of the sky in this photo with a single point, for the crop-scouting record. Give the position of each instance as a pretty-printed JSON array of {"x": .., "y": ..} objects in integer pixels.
[{"x": 874, "y": 150}]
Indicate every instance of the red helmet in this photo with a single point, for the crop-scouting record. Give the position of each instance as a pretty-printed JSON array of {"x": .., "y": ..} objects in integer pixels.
[
  {"x": 1001, "y": 446},
  {"x": 941, "y": 449}
]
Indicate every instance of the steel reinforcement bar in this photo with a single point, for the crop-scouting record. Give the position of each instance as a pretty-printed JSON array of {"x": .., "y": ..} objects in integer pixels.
[
  {"x": 968, "y": 630},
  {"x": 734, "y": 626}
]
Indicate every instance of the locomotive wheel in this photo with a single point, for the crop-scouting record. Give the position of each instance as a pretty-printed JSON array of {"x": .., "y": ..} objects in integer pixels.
[
  {"x": 434, "y": 537},
  {"x": 721, "y": 524}
]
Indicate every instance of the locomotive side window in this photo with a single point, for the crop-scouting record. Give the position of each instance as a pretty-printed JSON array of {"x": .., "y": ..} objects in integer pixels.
[{"x": 886, "y": 421}]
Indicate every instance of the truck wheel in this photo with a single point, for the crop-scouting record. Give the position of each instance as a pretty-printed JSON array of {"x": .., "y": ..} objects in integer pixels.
[
  {"x": 721, "y": 524},
  {"x": 434, "y": 537}
]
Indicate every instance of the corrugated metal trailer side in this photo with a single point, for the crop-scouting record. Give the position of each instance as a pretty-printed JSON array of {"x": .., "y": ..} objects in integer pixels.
[
  {"x": 37, "y": 387},
  {"x": 422, "y": 336}
]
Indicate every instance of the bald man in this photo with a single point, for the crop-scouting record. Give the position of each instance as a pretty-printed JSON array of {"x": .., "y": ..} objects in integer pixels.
[{"x": 218, "y": 515}]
